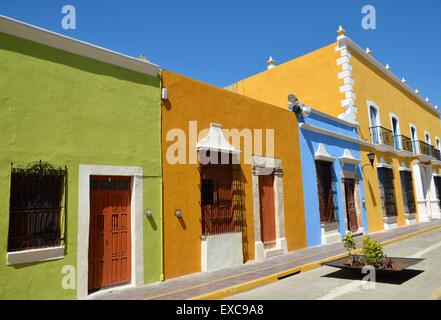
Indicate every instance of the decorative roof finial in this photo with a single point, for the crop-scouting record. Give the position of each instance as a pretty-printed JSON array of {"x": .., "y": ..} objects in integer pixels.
[
  {"x": 436, "y": 107},
  {"x": 417, "y": 91},
  {"x": 143, "y": 58},
  {"x": 388, "y": 67},
  {"x": 271, "y": 63},
  {"x": 368, "y": 51},
  {"x": 403, "y": 80},
  {"x": 427, "y": 99},
  {"x": 341, "y": 31}
]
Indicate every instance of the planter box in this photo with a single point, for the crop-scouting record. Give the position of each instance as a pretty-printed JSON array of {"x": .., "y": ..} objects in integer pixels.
[{"x": 401, "y": 264}]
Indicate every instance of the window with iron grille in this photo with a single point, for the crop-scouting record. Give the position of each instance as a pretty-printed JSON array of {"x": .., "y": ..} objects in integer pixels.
[
  {"x": 387, "y": 192},
  {"x": 408, "y": 194},
  {"x": 36, "y": 215},
  {"x": 326, "y": 188},
  {"x": 221, "y": 198}
]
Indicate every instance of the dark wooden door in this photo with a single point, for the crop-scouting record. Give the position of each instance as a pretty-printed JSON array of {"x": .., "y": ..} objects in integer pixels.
[
  {"x": 351, "y": 212},
  {"x": 325, "y": 194},
  {"x": 267, "y": 209},
  {"x": 109, "y": 232}
]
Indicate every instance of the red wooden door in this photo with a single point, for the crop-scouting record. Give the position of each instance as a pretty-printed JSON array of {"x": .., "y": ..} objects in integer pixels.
[
  {"x": 267, "y": 209},
  {"x": 350, "y": 205},
  {"x": 109, "y": 232}
]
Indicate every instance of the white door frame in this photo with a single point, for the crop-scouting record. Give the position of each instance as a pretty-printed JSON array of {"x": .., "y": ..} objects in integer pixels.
[
  {"x": 136, "y": 214},
  {"x": 260, "y": 163}
]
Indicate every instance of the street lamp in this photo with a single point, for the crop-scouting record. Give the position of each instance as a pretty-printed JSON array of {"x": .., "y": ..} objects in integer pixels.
[{"x": 371, "y": 157}]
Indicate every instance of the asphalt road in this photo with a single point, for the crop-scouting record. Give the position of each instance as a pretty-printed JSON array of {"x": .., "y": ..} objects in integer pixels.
[{"x": 420, "y": 282}]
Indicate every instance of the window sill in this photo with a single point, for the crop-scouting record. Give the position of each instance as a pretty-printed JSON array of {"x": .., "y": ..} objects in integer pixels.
[{"x": 34, "y": 255}]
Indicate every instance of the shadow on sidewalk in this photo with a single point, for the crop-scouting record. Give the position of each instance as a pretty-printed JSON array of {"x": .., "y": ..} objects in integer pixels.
[{"x": 396, "y": 278}]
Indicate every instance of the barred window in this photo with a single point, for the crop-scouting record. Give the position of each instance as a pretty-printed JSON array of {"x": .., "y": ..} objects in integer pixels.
[
  {"x": 387, "y": 192},
  {"x": 35, "y": 211},
  {"x": 408, "y": 194},
  {"x": 221, "y": 198}
]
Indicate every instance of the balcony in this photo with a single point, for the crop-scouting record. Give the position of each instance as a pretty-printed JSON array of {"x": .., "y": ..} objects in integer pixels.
[
  {"x": 403, "y": 143},
  {"x": 382, "y": 137},
  {"x": 426, "y": 151}
]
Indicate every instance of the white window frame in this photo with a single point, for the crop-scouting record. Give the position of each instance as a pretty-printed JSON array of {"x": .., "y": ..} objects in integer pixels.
[
  {"x": 437, "y": 143},
  {"x": 394, "y": 116},
  {"x": 378, "y": 124},
  {"x": 411, "y": 125}
]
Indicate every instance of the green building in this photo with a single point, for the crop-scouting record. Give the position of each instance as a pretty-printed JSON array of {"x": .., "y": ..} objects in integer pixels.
[{"x": 80, "y": 166}]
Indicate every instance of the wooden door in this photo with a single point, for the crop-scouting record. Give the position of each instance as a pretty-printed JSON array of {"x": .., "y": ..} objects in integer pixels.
[
  {"x": 351, "y": 212},
  {"x": 109, "y": 232},
  {"x": 267, "y": 209},
  {"x": 325, "y": 193}
]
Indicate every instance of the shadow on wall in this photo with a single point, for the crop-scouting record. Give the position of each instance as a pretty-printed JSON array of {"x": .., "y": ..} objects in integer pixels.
[
  {"x": 239, "y": 208},
  {"x": 36, "y": 50}
]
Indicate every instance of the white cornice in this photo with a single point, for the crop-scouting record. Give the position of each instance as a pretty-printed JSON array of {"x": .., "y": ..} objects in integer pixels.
[
  {"x": 345, "y": 41},
  {"x": 56, "y": 40}
]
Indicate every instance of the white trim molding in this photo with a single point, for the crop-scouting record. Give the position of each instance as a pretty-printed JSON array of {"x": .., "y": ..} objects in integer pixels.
[
  {"x": 26, "y": 31},
  {"x": 383, "y": 164},
  {"x": 322, "y": 154},
  {"x": 136, "y": 214},
  {"x": 216, "y": 141},
  {"x": 348, "y": 102},
  {"x": 35, "y": 255},
  {"x": 348, "y": 158},
  {"x": 274, "y": 165}
]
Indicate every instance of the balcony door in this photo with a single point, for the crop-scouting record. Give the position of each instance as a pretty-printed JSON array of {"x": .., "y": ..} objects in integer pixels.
[
  {"x": 373, "y": 113},
  {"x": 396, "y": 133},
  {"x": 413, "y": 136}
]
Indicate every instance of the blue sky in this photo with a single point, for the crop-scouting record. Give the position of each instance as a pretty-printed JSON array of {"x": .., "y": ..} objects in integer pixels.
[{"x": 221, "y": 41}]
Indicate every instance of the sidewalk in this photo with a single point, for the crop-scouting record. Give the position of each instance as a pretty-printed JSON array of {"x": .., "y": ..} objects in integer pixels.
[{"x": 221, "y": 283}]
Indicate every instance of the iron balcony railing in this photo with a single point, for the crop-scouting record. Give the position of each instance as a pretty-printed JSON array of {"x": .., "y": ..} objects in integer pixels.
[
  {"x": 403, "y": 143},
  {"x": 423, "y": 148},
  {"x": 435, "y": 153},
  {"x": 381, "y": 135}
]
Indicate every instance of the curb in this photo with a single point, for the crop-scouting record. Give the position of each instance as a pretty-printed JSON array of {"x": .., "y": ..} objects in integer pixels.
[{"x": 246, "y": 286}]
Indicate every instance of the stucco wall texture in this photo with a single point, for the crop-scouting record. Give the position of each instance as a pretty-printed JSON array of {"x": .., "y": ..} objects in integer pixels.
[
  {"x": 190, "y": 100},
  {"x": 312, "y": 78},
  {"x": 371, "y": 85},
  {"x": 69, "y": 110}
]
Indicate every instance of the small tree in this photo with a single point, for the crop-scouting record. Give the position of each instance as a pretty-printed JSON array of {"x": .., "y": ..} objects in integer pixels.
[
  {"x": 349, "y": 243},
  {"x": 373, "y": 252}
]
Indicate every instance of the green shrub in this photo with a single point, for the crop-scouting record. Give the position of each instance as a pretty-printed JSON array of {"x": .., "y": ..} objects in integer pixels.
[
  {"x": 349, "y": 242},
  {"x": 373, "y": 252}
]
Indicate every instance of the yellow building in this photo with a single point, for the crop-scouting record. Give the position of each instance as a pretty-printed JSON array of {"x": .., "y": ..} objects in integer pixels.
[
  {"x": 220, "y": 214},
  {"x": 399, "y": 129}
]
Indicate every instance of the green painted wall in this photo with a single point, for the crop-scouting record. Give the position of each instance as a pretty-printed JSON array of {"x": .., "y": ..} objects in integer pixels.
[{"x": 69, "y": 110}]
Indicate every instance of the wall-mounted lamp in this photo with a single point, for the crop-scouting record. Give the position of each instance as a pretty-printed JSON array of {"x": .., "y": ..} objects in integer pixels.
[
  {"x": 148, "y": 213},
  {"x": 179, "y": 214},
  {"x": 371, "y": 157}
]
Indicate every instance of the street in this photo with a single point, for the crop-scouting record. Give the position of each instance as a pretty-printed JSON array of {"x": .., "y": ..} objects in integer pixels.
[{"x": 420, "y": 282}]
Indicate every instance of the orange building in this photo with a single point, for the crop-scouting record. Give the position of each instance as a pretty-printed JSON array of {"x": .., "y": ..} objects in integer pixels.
[{"x": 232, "y": 178}]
